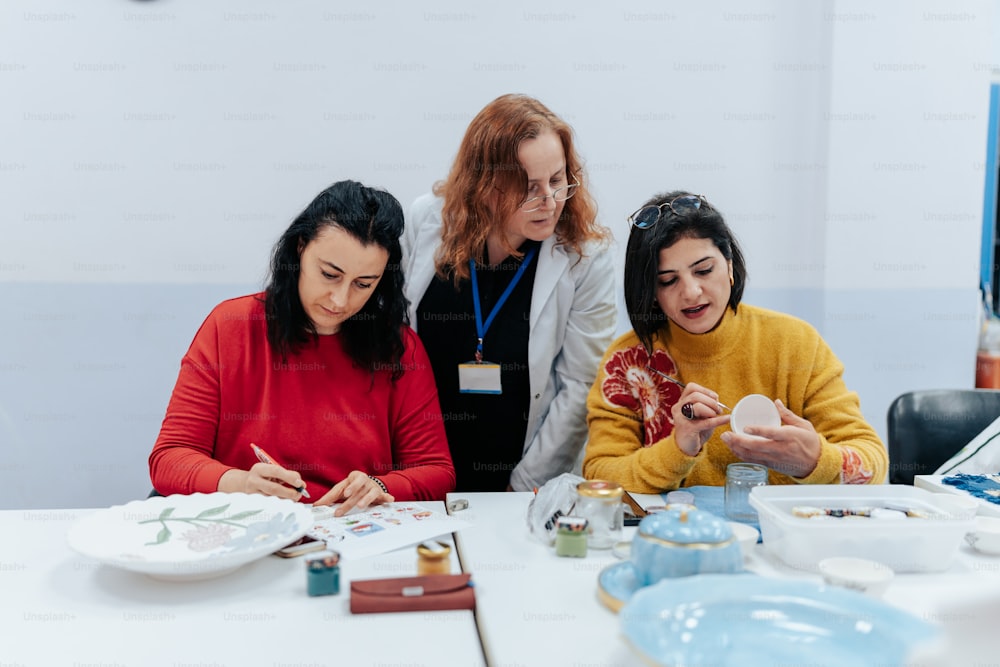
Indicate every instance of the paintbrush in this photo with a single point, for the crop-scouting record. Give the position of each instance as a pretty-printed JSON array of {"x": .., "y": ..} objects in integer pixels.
[{"x": 681, "y": 384}]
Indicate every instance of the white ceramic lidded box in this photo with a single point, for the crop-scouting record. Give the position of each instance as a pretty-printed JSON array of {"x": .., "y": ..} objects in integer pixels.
[{"x": 908, "y": 544}]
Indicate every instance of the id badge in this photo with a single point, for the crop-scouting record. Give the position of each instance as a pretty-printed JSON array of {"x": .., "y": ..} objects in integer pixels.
[{"x": 479, "y": 378}]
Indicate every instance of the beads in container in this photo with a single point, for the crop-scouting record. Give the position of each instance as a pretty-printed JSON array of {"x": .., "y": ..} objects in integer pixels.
[
  {"x": 600, "y": 503},
  {"x": 571, "y": 536},
  {"x": 323, "y": 573}
]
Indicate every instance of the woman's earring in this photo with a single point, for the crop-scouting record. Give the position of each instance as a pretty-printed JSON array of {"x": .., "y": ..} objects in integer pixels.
[{"x": 732, "y": 281}]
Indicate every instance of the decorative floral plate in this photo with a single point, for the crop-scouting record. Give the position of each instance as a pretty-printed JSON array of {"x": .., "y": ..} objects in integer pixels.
[
  {"x": 189, "y": 537},
  {"x": 744, "y": 620}
]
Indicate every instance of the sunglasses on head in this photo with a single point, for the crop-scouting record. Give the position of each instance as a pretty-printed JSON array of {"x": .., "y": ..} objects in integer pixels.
[{"x": 647, "y": 216}]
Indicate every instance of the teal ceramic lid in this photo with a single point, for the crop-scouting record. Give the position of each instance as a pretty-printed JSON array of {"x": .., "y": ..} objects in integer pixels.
[{"x": 684, "y": 526}]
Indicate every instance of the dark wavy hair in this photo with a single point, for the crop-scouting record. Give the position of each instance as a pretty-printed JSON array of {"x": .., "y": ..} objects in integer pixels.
[
  {"x": 642, "y": 259},
  {"x": 373, "y": 336}
]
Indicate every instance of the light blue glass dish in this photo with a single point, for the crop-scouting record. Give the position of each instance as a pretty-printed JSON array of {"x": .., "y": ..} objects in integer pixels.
[
  {"x": 616, "y": 584},
  {"x": 744, "y": 620}
]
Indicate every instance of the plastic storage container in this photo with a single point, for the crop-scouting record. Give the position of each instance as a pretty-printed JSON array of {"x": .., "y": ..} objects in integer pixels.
[{"x": 906, "y": 545}]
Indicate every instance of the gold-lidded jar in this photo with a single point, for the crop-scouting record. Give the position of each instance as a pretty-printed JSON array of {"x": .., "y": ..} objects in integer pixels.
[
  {"x": 433, "y": 558},
  {"x": 600, "y": 503}
]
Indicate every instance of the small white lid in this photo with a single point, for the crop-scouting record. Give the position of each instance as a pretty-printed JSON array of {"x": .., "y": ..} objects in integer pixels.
[
  {"x": 754, "y": 410},
  {"x": 860, "y": 574}
]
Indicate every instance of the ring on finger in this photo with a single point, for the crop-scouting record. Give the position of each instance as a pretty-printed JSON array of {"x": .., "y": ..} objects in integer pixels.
[{"x": 688, "y": 410}]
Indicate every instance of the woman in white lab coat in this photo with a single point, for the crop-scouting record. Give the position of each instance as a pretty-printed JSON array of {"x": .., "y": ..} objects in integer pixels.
[{"x": 514, "y": 228}]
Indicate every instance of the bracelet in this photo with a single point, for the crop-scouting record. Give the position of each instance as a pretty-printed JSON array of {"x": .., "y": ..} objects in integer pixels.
[{"x": 380, "y": 483}]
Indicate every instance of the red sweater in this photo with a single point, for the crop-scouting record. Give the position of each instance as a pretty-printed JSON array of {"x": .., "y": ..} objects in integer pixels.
[{"x": 315, "y": 413}]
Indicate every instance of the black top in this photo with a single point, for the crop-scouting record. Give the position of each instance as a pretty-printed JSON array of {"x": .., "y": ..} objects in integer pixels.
[{"x": 485, "y": 431}]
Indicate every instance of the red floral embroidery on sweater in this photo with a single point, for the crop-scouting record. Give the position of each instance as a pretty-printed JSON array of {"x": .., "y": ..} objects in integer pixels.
[
  {"x": 629, "y": 384},
  {"x": 853, "y": 469}
]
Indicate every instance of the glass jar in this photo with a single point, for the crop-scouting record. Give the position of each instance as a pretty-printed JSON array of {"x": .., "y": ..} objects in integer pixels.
[
  {"x": 433, "y": 558},
  {"x": 740, "y": 479},
  {"x": 600, "y": 503},
  {"x": 571, "y": 536}
]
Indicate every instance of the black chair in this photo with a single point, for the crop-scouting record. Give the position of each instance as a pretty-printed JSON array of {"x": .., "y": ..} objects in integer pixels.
[{"x": 927, "y": 427}]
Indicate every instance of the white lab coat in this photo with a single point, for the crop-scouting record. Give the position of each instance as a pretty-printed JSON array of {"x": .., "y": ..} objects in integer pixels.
[{"x": 572, "y": 323}]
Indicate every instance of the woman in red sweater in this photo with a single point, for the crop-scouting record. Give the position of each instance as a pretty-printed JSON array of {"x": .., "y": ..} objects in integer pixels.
[{"x": 320, "y": 370}]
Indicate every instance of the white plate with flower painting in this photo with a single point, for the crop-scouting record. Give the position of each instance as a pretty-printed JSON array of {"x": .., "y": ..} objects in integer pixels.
[{"x": 190, "y": 537}]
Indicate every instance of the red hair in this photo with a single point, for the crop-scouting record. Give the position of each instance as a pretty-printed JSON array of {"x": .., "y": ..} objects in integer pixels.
[{"x": 487, "y": 184}]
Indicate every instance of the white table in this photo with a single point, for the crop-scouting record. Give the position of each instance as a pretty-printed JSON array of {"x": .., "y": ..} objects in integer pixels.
[
  {"x": 534, "y": 608},
  {"x": 59, "y": 608}
]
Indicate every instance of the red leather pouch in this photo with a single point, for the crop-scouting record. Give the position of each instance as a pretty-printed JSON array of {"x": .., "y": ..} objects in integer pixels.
[{"x": 432, "y": 592}]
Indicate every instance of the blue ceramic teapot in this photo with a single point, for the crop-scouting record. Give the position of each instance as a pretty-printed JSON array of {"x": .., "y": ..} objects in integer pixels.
[{"x": 680, "y": 542}]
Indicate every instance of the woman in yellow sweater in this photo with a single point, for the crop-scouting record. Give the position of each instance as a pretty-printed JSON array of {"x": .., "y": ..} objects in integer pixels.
[{"x": 684, "y": 279}]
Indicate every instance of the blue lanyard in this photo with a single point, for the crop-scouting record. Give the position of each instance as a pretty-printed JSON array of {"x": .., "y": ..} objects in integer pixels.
[{"x": 481, "y": 328}]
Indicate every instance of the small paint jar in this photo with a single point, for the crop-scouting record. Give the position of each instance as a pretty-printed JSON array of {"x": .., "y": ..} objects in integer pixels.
[
  {"x": 433, "y": 558},
  {"x": 600, "y": 503},
  {"x": 680, "y": 498},
  {"x": 323, "y": 573},
  {"x": 571, "y": 536}
]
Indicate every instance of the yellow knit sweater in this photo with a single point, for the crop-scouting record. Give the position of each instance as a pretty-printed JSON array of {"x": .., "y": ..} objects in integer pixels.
[{"x": 754, "y": 351}]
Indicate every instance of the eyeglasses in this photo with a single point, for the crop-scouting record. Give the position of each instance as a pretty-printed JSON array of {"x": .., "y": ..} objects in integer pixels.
[
  {"x": 558, "y": 195},
  {"x": 647, "y": 216}
]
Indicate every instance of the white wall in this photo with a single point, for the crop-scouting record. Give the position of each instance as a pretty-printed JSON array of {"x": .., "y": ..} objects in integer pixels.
[
  {"x": 907, "y": 147},
  {"x": 151, "y": 152}
]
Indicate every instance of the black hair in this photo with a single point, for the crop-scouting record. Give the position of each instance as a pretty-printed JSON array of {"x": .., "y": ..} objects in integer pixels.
[
  {"x": 642, "y": 259},
  {"x": 373, "y": 336}
]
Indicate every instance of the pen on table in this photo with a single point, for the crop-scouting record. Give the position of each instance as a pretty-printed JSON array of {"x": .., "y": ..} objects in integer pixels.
[
  {"x": 264, "y": 458},
  {"x": 680, "y": 384}
]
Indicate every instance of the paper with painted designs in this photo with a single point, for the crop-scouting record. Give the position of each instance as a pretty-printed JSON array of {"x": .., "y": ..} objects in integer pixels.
[{"x": 380, "y": 529}]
